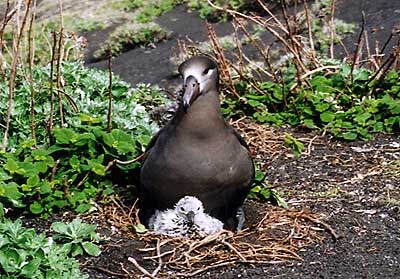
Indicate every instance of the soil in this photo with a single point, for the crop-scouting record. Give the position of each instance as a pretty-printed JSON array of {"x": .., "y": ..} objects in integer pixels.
[
  {"x": 153, "y": 64},
  {"x": 142, "y": 65},
  {"x": 353, "y": 187}
]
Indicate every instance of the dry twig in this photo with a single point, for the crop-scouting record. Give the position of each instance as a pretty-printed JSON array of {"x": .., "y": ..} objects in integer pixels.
[
  {"x": 140, "y": 268},
  {"x": 358, "y": 47},
  {"x": 13, "y": 72},
  {"x": 110, "y": 76},
  {"x": 31, "y": 56}
]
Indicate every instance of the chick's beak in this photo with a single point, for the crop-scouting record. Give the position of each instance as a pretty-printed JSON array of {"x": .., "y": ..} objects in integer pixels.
[
  {"x": 190, "y": 216},
  {"x": 191, "y": 92}
]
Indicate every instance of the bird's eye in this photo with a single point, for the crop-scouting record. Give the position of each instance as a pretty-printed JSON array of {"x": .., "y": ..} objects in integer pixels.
[
  {"x": 205, "y": 72},
  {"x": 182, "y": 209},
  {"x": 198, "y": 208}
]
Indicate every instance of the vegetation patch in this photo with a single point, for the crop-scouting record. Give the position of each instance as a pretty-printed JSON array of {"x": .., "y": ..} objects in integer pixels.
[
  {"x": 349, "y": 106},
  {"x": 26, "y": 254},
  {"x": 84, "y": 100},
  {"x": 128, "y": 36},
  {"x": 77, "y": 237},
  {"x": 308, "y": 86},
  {"x": 72, "y": 166},
  {"x": 153, "y": 9},
  {"x": 212, "y": 13}
]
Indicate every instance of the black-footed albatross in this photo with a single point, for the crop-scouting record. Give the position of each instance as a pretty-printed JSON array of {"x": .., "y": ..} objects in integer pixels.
[{"x": 197, "y": 153}]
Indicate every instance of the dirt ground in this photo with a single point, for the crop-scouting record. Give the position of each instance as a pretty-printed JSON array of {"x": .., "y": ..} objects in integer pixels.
[
  {"x": 349, "y": 190},
  {"x": 352, "y": 188},
  {"x": 141, "y": 65}
]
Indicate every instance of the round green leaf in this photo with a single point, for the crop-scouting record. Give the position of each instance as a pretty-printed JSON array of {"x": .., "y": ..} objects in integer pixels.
[
  {"x": 91, "y": 248},
  {"x": 350, "y": 135},
  {"x": 36, "y": 208},
  {"x": 327, "y": 116},
  {"x": 140, "y": 229}
]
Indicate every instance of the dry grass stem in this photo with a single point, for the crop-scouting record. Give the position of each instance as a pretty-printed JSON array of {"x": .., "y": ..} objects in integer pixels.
[
  {"x": 140, "y": 268},
  {"x": 31, "y": 56},
  {"x": 358, "y": 47},
  {"x": 110, "y": 78},
  {"x": 218, "y": 51},
  {"x": 11, "y": 87},
  {"x": 53, "y": 55},
  {"x": 332, "y": 29}
]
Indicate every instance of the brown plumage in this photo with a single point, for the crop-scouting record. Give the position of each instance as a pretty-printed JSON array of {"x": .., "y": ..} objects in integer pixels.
[{"x": 197, "y": 153}]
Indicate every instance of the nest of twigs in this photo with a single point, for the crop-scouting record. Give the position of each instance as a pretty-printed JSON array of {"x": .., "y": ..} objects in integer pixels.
[
  {"x": 275, "y": 237},
  {"x": 272, "y": 235}
]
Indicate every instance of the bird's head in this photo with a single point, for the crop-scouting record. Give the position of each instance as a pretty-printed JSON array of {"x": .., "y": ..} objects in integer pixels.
[
  {"x": 188, "y": 207},
  {"x": 200, "y": 75}
]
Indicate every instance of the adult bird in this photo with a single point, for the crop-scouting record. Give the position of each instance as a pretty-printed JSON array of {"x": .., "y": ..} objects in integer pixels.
[{"x": 197, "y": 153}]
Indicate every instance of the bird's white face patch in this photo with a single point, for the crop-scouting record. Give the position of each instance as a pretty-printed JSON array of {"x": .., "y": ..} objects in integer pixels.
[
  {"x": 189, "y": 203},
  {"x": 202, "y": 75}
]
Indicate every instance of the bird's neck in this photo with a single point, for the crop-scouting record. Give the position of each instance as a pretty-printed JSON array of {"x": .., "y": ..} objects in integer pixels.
[{"x": 203, "y": 118}]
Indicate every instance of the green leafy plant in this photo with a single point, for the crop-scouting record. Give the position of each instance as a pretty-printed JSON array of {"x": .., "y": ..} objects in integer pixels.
[
  {"x": 128, "y": 4},
  {"x": 140, "y": 229},
  {"x": 320, "y": 11},
  {"x": 209, "y": 12},
  {"x": 260, "y": 191},
  {"x": 128, "y": 36},
  {"x": 77, "y": 167},
  {"x": 296, "y": 146},
  {"x": 70, "y": 173},
  {"x": 84, "y": 100},
  {"x": 25, "y": 254},
  {"x": 43, "y": 38},
  {"x": 154, "y": 9},
  {"x": 77, "y": 237},
  {"x": 348, "y": 104}
]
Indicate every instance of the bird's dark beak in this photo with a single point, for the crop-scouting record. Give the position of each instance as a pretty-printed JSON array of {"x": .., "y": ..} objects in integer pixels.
[
  {"x": 190, "y": 216},
  {"x": 192, "y": 91}
]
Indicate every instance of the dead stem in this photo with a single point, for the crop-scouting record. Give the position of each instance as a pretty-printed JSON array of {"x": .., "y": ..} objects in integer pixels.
[
  {"x": 310, "y": 145},
  {"x": 54, "y": 170},
  {"x": 58, "y": 77},
  {"x": 110, "y": 76},
  {"x": 258, "y": 47},
  {"x": 358, "y": 47},
  {"x": 385, "y": 67},
  {"x": 230, "y": 246},
  {"x": 332, "y": 29},
  {"x": 160, "y": 261},
  {"x": 53, "y": 55},
  {"x": 319, "y": 222},
  {"x": 13, "y": 72},
  {"x": 116, "y": 161},
  {"x": 219, "y": 53},
  {"x": 140, "y": 268},
  {"x": 269, "y": 27},
  {"x": 370, "y": 58},
  {"x": 8, "y": 15},
  {"x": 239, "y": 46},
  {"x": 31, "y": 56},
  {"x": 310, "y": 73}
]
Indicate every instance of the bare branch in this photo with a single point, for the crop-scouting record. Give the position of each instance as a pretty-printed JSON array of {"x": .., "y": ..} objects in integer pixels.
[
  {"x": 110, "y": 76},
  {"x": 13, "y": 74}
]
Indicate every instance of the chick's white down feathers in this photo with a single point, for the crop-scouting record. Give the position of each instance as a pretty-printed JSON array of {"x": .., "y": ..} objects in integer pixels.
[{"x": 186, "y": 219}]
